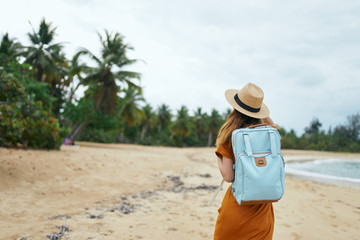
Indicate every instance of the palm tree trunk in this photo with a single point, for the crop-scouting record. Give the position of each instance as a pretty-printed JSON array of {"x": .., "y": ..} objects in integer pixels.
[
  {"x": 39, "y": 74},
  {"x": 52, "y": 88},
  {"x": 76, "y": 125},
  {"x": 143, "y": 131},
  {"x": 78, "y": 128},
  {"x": 72, "y": 92},
  {"x": 210, "y": 138}
]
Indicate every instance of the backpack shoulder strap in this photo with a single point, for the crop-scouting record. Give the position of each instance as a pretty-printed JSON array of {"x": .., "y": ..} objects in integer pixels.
[
  {"x": 263, "y": 124},
  {"x": 257, "y": 125}
]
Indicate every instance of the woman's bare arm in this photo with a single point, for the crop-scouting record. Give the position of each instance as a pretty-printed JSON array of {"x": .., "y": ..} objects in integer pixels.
[{"x": 226, "y": 168}]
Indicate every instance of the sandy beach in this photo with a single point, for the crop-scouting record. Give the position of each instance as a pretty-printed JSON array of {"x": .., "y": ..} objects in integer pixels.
[{"x": 118, "y": 191}]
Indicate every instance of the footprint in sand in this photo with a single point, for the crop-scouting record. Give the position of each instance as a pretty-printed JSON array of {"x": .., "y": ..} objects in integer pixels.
[
  {"x": 17, "y": 215},
  {"x": 205, "y": 235},
  {"x": 295, "y": 235},
  {"x": 172, "y": 229},
  {"x": 286, "y": 225}
]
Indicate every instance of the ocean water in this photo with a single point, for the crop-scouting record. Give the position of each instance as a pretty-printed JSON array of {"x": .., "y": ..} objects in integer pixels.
[{"x": 338, "y": 171}]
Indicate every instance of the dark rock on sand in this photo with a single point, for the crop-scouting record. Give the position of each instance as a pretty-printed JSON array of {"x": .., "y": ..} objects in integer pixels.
[
  {"x": 57, "y": 236},
  {"x": 100, "y": 216},
  {"x": 125, "y": 208}
]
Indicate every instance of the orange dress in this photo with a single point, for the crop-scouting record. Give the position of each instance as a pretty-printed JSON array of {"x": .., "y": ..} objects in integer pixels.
[{"x": 243, "y": 222}]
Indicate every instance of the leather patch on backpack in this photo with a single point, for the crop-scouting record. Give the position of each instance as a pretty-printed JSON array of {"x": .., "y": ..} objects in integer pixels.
[{"x": 260, "y": 161}]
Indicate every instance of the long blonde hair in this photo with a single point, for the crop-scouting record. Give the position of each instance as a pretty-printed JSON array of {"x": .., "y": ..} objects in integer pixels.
[{"x": 234, "y": 121}]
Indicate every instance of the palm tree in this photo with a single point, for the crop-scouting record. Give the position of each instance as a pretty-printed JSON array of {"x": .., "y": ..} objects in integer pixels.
[
  {"x": 213, "y": 125},
  {"x": 130, "y": 108},
  {"x": 46, "y": 57},
  {"x": 75, "y": 71},
  {"x": 49, "y": 62},
  {"x": 107, "y": 75},
  {"x": 110, "y": 71},
  {"x": 181, "y": 128},
  {"x": 164, "y": 117},
  {"x": 200, "y": 123},
  {"x": 10, "y": 49},
  {"x": 147, "y": 120}
]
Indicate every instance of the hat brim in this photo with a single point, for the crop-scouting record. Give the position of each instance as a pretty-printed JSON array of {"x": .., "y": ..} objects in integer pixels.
[{"x": 263, "y": 113}]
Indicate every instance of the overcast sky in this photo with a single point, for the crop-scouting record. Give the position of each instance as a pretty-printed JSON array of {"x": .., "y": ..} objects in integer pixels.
[{"x": 305, "y": 54}]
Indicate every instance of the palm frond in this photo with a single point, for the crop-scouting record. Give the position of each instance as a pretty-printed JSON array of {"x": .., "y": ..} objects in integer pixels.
[
  {"x": 128, "y": 74},
  {"x": 90, "y": 54}
]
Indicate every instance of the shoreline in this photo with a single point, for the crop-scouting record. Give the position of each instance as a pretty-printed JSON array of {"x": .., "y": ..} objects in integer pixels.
[
  {"x": 293, "y": 168},
  {"x": 322, "y": 178}
]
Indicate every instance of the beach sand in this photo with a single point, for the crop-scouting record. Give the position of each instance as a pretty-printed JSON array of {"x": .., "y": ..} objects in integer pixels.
[{"x": 118, "y": 191}]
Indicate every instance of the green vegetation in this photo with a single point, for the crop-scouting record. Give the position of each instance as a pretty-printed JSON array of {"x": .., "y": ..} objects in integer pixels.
[
  {"x": 39, "y": 107},
  {"x": 24, "y": 119},
  {"x": 344, "y": 138}
]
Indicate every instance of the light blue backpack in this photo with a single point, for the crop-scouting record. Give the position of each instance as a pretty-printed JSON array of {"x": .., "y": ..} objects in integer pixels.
[{"x": 259, "y": 165}]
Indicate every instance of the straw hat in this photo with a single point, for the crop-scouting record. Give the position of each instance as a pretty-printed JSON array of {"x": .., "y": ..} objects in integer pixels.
[{"x": 248, "y": 100}]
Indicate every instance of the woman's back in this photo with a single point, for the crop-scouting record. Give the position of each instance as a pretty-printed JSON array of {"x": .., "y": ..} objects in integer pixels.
[{"x": 241, "y": 221}]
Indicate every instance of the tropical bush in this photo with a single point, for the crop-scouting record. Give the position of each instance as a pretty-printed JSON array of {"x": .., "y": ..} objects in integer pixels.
[{"x": 23, "y": 120}]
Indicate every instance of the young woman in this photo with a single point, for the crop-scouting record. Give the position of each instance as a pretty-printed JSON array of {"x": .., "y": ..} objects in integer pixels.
[{"x": 241, "y": 221}]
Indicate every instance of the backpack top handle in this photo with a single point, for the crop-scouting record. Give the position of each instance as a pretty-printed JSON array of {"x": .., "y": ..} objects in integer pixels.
[{"x": 248, "y": 149}]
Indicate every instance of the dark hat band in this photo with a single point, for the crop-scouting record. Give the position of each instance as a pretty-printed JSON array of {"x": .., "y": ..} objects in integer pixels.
[{"x": 244, "y": 106}]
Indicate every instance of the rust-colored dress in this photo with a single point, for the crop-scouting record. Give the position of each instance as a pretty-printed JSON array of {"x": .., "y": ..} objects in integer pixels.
[{"x": 243, "y": 222}]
